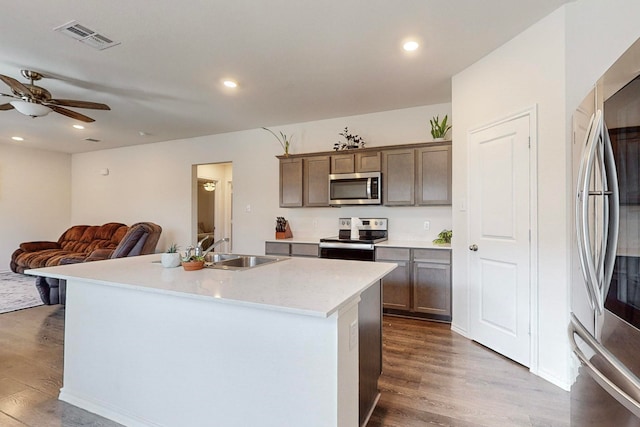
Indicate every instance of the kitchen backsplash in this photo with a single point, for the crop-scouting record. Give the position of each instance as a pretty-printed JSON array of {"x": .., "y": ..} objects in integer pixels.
[{"x": 405, "y": 223}]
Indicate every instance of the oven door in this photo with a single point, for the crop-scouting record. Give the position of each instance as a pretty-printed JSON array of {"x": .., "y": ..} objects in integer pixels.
[{"x": 349, "y": 251}]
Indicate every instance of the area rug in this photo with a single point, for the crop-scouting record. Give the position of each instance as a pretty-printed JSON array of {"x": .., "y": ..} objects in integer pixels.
[{"x": 17, "y": 291}]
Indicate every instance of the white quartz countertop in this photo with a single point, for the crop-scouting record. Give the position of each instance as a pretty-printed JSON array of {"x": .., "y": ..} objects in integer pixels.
[
  {"x": 308, "y": 240},
  {"x": 309, "y": 286},
  {"x": 419, "y": 244}
]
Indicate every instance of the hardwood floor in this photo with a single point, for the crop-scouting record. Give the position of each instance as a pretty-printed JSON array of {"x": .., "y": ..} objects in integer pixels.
[
  {"x": 31, "y": 351},
  {"x": 431, "y": 377}
]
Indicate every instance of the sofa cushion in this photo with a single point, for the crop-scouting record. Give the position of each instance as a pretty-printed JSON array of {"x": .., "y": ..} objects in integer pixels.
[
  {"x": 38, "y": 246},
  {"x": 134, "y": 237}
]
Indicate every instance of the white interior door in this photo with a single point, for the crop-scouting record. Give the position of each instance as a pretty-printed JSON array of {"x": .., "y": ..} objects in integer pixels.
[{"x": 499, "y": 237}]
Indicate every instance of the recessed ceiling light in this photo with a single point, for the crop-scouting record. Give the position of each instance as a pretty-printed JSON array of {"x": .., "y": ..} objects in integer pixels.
[
  {"x": 17, "y": 138},
  {"x": 410, "y": 46},
  {"x": 230, "y": 83},
  {"x": 78, "y": 126}
]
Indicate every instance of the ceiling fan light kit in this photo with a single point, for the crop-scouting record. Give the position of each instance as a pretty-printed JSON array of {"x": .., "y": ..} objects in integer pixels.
[
  {"x": 31, "y": 108},
  {"x": 36, "y": 101}
]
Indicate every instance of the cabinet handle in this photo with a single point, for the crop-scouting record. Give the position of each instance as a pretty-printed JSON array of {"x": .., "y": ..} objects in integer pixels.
[{"x": 473, "y": 248}]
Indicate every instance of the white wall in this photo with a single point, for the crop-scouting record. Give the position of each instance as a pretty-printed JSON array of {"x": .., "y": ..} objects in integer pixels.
[
  {"x": 527, "y": 71},
  {"x": 35, "y": 197},
  {"x": 552, "y": 65},
  {"x": 153, "y": 182}
]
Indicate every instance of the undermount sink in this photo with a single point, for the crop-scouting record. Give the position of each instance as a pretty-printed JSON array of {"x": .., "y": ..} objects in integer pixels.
[
  {"x": 239, "y": 262},
  {"x": 215, "y": 257}
]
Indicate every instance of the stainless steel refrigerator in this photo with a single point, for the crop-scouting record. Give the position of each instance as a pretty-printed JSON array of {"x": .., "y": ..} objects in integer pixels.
[{"x": 604, "y": 328}]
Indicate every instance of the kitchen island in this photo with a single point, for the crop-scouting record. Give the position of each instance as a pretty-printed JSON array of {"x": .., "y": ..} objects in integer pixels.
[{"x": 275, "y": 345}]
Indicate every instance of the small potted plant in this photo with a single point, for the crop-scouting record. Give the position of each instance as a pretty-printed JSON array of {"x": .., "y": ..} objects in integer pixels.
[
  {"x": 444, "y": 237},
  {"x": 171, "y": 258},
  {"x": 439, "y": 129},
  {"x": 283, "y": 139},
  {"x": 192, "y": 262},
  {"x": 352, "y": 141}
]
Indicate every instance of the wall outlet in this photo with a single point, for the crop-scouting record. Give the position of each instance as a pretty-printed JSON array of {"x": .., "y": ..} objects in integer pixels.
[
  {"x": 247, "y": 209},
  {"x": 315, "y": 224},
  {"x": 427, "y": 225}
]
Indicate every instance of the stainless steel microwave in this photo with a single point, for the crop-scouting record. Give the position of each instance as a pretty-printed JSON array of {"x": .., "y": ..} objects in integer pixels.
[{"x": 355, "y": 188}]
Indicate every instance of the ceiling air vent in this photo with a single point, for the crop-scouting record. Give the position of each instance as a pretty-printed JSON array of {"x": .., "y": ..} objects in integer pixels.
[
  {"x": 86, "y": 35},
  {"x": 92, "y": 140}
]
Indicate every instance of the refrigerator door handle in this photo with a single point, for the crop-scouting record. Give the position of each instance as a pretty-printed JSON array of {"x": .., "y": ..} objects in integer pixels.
[
  {"x": 625, "y": 388},
  {"x": 585, "y": 251},
  {"x": 613, "y": 200}
]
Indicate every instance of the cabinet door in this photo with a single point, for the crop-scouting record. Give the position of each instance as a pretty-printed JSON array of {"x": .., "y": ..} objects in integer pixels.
[
  {"x": 316, "y": 181},
  {"x": 290, "y": 183},
  {"x": 276, "y": 248},
  {"x": 368, "y": 161},
  {"x": 396, "y": 286},
  {"x": 398, "y": 177},
  {"x": 342, "y": 163},
  {"x": 432, "y": 288},
  {"x": 304, "y": 249},
  {"x": 434, "y": 175}
]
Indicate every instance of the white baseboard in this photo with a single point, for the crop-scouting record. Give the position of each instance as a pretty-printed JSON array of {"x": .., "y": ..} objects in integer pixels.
[
  {"x": 104, "y": 410},
  {"x": 460, "y": 331}
]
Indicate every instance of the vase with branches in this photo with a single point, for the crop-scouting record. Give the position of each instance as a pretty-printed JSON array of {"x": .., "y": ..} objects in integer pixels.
[
  {"x": 352, "y": 141},
  {"x": 283, "y": 139}
]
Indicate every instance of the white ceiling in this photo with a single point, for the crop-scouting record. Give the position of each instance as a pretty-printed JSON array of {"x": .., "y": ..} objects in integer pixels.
[{"x": 294, "y": 60}]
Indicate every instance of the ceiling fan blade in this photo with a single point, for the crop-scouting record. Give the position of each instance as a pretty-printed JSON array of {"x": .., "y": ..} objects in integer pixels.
[
  {"x": 71, "y": 114},
  {"x": 78, "y": 104},
  {"x": 5, "y": 107},
  {"x": 16, "y": 85}
]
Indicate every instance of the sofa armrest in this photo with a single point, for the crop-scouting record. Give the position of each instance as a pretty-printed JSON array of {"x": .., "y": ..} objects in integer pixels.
[
  {"x": 38, "y": 246},
  {"x": 70, "y": 260},
  {"x": 99, "y": 255}
]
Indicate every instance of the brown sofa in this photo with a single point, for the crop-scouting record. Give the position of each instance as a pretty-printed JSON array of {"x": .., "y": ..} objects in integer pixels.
[{"x": 83, "y": 243}]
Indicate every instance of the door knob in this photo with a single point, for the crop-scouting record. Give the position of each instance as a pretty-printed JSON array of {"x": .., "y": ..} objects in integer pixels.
[{"x": 473, "y": 248}]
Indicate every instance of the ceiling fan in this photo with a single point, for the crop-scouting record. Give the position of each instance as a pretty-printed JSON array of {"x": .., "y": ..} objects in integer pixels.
[{"x": 36, "y": 101}]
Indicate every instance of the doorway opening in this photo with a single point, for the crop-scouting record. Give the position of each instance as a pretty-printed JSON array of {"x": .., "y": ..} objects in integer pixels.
[{"x": 212, "y": 201}]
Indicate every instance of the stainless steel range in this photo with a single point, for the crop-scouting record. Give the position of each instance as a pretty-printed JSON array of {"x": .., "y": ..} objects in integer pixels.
[{"x": 356, "y": 239}]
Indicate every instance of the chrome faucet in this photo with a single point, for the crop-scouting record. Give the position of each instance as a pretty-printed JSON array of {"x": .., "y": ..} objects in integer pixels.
[
  {"x": 214, "y": 244},
  {"x": 198, "y": 248}
]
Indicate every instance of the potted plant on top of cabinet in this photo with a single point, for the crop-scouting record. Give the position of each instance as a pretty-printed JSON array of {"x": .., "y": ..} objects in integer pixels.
[
  {"x": 439, "y": 129},
  {"x": 283, "y": 139}
]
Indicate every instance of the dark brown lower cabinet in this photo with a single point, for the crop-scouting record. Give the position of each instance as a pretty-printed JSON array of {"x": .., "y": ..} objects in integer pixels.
[
  {"x": 291, "y": 249},
  {"x": 420, "y": 286},
  {"x": 396, "y": 285}
]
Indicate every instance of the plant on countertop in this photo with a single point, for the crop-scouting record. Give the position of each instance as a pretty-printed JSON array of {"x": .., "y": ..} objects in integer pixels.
[
  {"x": 353, "y": 141},
  {"x": 191, "y": 258},
  {"x": 439, "y": 130},
  {"x": 444, "y": 237},
  {"x": 283, "y": 139},
  {"x": 171, "y": 258}
]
